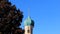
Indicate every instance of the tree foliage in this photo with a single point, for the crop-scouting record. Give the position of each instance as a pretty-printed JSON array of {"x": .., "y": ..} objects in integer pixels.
[{"x": 10, "y": 18}]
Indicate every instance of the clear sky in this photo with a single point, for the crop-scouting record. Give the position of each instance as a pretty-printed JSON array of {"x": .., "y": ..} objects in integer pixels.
[{"x": 45, "y": 13}]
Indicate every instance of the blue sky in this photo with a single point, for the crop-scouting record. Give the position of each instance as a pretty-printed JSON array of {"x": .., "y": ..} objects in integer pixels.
[{"x": 45, "y": 13}]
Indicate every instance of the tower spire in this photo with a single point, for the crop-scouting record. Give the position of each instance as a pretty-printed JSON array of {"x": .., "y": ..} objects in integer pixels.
[
  {"x": 29, "y": 24},
  {"x": 28, "y": 12}
]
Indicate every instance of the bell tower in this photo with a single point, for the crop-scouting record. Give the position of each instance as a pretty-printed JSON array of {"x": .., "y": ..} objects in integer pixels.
[{"x": 29, "y": 24}]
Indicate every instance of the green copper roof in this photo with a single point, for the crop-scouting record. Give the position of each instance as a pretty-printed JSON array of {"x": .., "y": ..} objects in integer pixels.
[{"x": 29, "y": 22}]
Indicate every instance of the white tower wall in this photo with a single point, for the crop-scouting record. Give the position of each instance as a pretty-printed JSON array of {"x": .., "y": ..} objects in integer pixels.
[{"x": 28, "y": 29}]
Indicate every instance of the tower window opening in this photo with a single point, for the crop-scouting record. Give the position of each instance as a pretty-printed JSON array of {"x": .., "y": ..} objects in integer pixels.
[{"x": 28, "y": 31}]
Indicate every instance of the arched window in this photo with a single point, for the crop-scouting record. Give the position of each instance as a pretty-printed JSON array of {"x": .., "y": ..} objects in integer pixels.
[{"x": 28, "y": 31}]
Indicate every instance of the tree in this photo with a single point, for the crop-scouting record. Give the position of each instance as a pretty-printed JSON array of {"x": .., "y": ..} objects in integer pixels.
[{"x": 10, "y": 18}]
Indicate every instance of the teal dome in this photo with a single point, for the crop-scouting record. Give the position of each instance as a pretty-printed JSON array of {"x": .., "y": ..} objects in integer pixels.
[{"x": 29, "y": 22}]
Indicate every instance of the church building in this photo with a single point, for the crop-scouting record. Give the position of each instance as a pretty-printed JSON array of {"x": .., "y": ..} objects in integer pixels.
[{"x": 29, "y": 25}]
